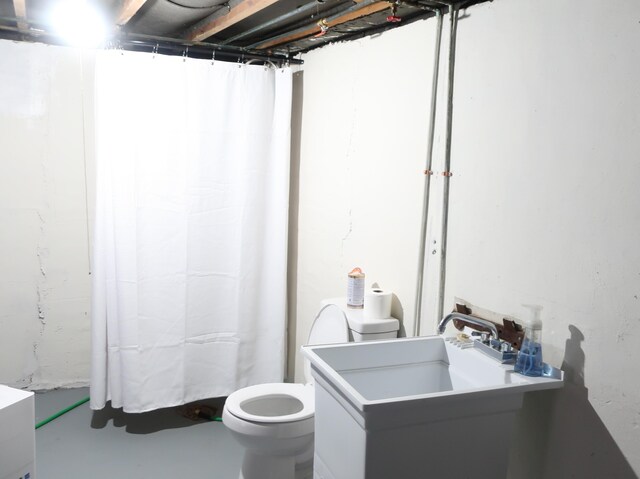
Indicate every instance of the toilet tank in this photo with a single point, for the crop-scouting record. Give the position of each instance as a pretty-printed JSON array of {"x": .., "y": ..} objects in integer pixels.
[{"x": 361, "y": 329}]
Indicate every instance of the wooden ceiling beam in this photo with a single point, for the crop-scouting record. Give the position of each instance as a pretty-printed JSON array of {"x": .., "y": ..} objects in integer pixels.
[
  {"x": 221, "y": 19},
  {"x": 315, "y": 29},
  {"x": 20, "y": 10},
  {"x": 127, "y": 10}
]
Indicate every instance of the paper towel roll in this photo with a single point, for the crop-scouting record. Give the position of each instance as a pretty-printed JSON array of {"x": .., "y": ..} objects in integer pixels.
[{"x": 377, "y": 304}]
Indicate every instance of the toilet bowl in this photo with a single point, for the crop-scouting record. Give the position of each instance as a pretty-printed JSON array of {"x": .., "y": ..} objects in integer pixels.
[{"x": 274, "y": 422}]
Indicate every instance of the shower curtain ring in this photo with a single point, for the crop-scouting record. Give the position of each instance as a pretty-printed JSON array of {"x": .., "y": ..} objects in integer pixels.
[
  {"x": 184, "y": 54},
  {"x": 213, "y": 57},
  {"x": 155, "y": 50}
]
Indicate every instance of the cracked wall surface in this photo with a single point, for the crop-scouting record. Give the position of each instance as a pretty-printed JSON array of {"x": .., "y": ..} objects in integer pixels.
[
  {"x": 44, "y": 259},
  {"x": 364, "y": 125},
  {"x": 538, "y": 222},
  {"x": 544, "y": 205}
]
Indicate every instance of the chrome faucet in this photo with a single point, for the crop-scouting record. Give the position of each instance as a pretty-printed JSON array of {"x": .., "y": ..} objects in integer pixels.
[{"x": 469, "y": 319}]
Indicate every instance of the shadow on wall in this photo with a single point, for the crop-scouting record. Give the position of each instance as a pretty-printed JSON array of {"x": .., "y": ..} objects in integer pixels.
[{"x": 558, "y": 433}]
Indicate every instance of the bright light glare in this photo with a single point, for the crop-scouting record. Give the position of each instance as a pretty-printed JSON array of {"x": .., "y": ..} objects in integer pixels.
[{"x": 79, "y": 23}]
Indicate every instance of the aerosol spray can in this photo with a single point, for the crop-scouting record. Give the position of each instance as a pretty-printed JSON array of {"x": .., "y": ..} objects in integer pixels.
[{"x": 355, "y": 291}]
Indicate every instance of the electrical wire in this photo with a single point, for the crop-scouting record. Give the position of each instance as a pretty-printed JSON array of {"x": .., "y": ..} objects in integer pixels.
[{"x": 191, "y": 7}]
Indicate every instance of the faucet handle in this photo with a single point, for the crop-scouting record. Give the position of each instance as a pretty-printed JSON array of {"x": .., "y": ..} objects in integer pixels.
[{"x": 505, "y": 347}]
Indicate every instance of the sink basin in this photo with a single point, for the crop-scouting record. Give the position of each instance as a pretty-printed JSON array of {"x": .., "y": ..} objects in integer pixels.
[
  {"x": 416, "y": 394},
  {"x": 425, "y": 368}
]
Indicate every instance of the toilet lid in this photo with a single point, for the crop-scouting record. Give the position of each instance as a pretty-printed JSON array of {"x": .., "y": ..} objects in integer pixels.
[{"x": 329, "y": 327}]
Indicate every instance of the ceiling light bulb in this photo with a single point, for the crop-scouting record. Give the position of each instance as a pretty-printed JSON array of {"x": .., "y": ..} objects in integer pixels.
[{"x": 79, "y": 23}]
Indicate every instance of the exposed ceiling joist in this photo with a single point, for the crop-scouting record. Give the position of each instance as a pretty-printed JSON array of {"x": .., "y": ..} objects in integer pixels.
[
  {"x": 221, "y": 19},
  {"x": 307, "y": 32},
  {"x": 127, "y": 10},
  {"x": 20, "y": 9},
  {"x": 283, "y": 28}
]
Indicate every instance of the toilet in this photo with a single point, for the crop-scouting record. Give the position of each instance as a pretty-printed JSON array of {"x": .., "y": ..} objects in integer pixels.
[{"x": 274, "y": 422}]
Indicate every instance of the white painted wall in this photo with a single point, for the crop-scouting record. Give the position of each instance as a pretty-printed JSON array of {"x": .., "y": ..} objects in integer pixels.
[
  {"x": 362, "y": 149},
  {"x": 544, "y": 205},
  {"x": 545, "y": 209},
  {"x": 545, "y": 212},
  {"x": 44, "y": 256}
]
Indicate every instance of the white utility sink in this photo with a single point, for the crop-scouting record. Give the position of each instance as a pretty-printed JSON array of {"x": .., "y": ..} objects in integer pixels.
[{"x": 407, "y": 407}]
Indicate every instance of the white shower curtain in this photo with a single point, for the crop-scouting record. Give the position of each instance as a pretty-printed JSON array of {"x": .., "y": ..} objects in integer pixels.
[{"x": 189, "y": 256}]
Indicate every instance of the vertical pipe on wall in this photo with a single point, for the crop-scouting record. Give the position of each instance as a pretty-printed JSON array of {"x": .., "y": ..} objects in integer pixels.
[
  {"x": 427, "y": 179},
  {"x": 453, "y": 12}
]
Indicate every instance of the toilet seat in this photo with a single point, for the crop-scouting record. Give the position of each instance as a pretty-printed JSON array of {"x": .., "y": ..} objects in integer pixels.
[
  {"x": 272, "y": 403},
  {"x": 284, "y": 403},
  {"x": 275, "y": 422}
]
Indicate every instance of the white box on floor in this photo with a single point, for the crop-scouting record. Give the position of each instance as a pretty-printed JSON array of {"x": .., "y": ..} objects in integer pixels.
[{"x": 17, "y": 434}]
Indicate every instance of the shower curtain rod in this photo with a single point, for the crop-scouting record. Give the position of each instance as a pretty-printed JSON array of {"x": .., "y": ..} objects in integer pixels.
[
  {"x": 157, "y": 44},
  {"x": 200, "y": 49}
]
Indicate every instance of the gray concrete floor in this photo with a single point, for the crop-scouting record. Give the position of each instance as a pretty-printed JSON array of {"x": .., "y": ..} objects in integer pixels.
[{"x": 111, "y": 444}]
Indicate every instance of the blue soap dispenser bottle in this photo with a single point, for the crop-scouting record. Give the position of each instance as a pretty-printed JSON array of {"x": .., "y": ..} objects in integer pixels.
[{"x": 529, "y": 361}]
